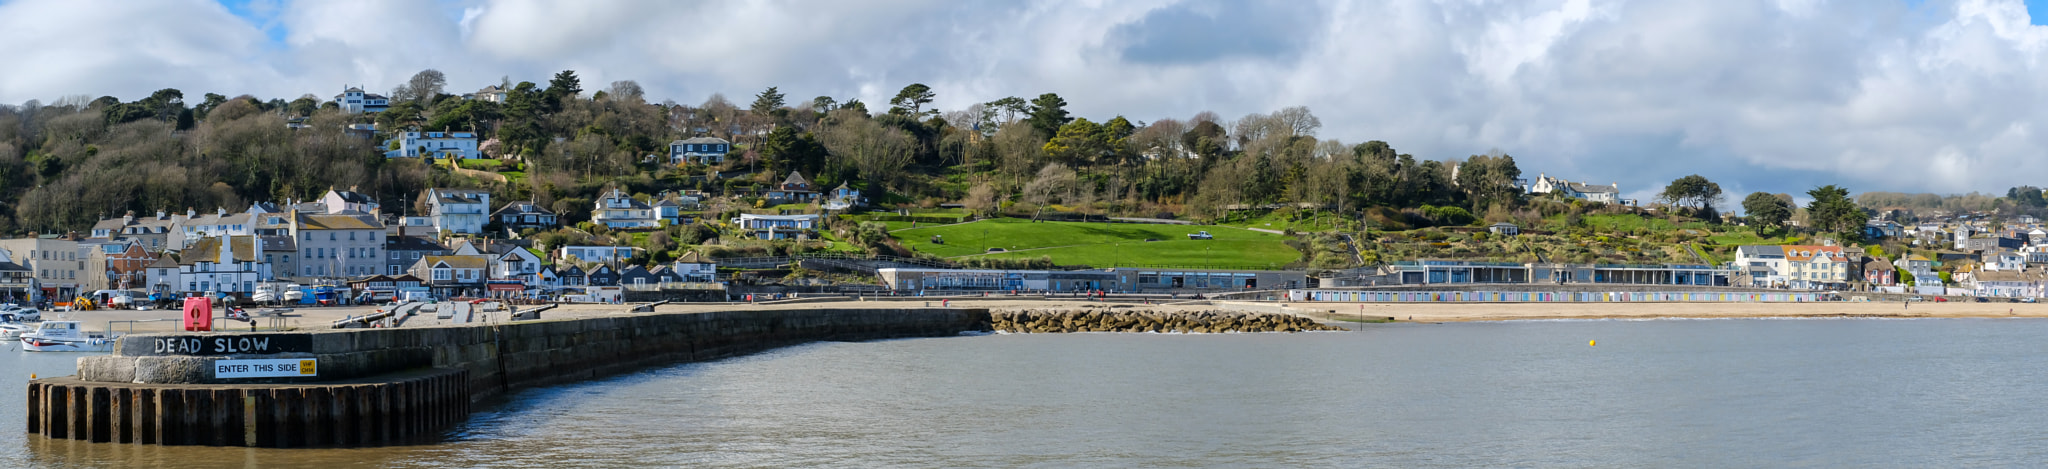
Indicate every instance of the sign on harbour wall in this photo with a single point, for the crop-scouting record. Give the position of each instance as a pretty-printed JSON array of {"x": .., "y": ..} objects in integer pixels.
[
  {"x": 231, "y": 344},
  {"x": 267, "y": 368}
]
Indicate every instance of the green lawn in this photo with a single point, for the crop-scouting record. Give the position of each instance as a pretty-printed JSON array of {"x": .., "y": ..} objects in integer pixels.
[
  {"x": 1283, "y": 220},
  {"x": 1101, "y": 244},
  {"x": 1220, "y": 254}
]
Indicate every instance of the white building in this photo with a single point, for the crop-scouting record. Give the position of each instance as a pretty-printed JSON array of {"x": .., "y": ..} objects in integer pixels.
[
  {"x": 458, "y": 145},
  {"x": 600, "y": 254},
  {"x": 354, "y": 101},
  {"x": 693, "y": 267},
  {"x": 459, "y": 211},
  {"x": 778, "y": 226},
  {"x": 227, "y": 264},
  {"x": 518, "y": 264},
  {"x": 618, "y": 210},
  {"x": 493, "y": 93},
  {"x": 1590, "y": 192},
  {"x": 348, "y": 201}
]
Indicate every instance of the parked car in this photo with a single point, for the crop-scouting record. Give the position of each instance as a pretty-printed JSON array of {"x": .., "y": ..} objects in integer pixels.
[
  {"x": 1916, "y": 299},
  {"x": 21, "y": 313},
  {"x": 1201, "y": 235},
  {"x": 2026, "y": 300},
  {"x": 1980, "y": 299},
  {"x": 1940, "y": 299}
]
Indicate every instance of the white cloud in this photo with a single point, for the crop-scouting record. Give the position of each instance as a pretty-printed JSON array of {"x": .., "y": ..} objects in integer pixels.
[{"x": 1774, "y": 95}]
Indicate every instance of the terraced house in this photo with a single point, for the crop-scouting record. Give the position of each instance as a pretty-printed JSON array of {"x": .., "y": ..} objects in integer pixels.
[
  {"x": 223, "y": 265},
  {"x": 338, "y": 245},
  {"x": 1795, "y": 267}
]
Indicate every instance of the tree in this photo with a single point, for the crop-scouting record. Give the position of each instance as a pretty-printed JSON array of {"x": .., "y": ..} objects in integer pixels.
[
  {"x": 1077, "y": 143},
  {"x": 1489, "y": 179},
  {"x": 626, "y": 90},
  {"x": 305, "y": 105},
  {"x": 212, "y": 101},
  {"x": 1766, "y": 210},
  {"x": 564, "y": 85},
  {"x": 2026, "y": 196},
  {"x": 1048, "y": 113},
  {"x": 1831, "y": 210},
  {"x": 423, "y": 86},
  {"x": 766, "y": 103},
  {"x": 1693, "y": 191},
  {"x": 1010, "y": 107},
  {"x": 911, "y": 100}
]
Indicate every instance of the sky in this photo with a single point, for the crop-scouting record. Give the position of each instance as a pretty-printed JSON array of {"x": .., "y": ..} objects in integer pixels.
[{"x": 1757, "y": 95}]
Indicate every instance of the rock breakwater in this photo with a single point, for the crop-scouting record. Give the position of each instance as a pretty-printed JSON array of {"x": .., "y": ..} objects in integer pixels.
[{"x": 1145, "y": 320}]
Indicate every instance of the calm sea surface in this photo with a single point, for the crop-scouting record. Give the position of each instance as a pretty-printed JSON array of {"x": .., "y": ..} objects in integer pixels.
[{"x": 1678, "y": 393}]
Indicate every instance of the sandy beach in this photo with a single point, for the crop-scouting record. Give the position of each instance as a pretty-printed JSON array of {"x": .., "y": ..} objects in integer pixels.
[{"x": 1442, "y": 312}]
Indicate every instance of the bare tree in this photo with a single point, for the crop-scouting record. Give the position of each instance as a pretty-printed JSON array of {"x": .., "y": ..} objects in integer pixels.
[
  {"x": 1054, "y": 183},
  {"x": 426, "y": 85},
  {"x": 1297, "y": 121},
  {"x": 873, "y": 151},
  {"x": 625, "y": 90}
]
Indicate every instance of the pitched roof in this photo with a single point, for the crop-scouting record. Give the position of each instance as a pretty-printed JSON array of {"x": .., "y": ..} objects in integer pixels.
[
  {"x": 353, "y": 197},
  {"x": 411, "y": 243},
  {"x": 796, "y": 178},
  {"x": 279, "y": 243},
  {"x": 458, "y": 262},
  {"x": 241, "y": 249},
  {"x": 692, "y": 257},
  {"x": 701, "y": 140},
  {"x": 321, "y": 221},
  {"x": 523, "y": 208}
]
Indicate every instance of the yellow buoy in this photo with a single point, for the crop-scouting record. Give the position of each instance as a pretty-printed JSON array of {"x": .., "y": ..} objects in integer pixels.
[
  {"x": 1592, "y": 343},
  {"x": 31, "y": 376}
]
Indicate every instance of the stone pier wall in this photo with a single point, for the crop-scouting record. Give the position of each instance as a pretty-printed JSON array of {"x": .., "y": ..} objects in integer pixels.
[
  {"x": 1128, "y": 320},
  {"x": 150, "y": 378}
]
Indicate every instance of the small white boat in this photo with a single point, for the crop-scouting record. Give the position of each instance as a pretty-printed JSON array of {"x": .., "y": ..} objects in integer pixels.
[
  {"x": 13, "y": 331},
  {"x": 65, "y": 336}
]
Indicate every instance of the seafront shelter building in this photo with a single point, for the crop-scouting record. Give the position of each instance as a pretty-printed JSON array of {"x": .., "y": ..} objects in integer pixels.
[{"x": 1425, "y": 272}]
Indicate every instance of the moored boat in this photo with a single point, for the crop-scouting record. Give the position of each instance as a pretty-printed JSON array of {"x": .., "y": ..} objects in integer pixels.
[{"x": 65, "y": 336}]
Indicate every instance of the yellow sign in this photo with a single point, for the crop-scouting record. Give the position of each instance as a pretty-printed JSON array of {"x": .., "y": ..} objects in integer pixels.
[{"x": 306, "y": 367}]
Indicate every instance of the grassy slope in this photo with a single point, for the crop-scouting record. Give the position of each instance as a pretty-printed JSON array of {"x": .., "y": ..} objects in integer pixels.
[
  {"x": 1221, "y": 254},
  {"x": 1097, "y": 243}
]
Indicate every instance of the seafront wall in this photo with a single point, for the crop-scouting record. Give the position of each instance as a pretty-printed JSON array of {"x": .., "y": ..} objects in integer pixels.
[
  {"x": 1575, "y": 296},
  {"x": 1141, "y": 320},
  {"x": 416, "y": 379}
]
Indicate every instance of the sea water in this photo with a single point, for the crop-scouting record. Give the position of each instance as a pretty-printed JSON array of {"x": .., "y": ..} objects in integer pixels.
[{"x": 1722, "y": 393}]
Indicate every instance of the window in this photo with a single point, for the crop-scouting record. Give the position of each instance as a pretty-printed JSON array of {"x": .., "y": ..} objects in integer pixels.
[
  {"x": 394, "y": 255},
  {"x": 332, "y": 237},
  {"x": 309, "y": 236}
]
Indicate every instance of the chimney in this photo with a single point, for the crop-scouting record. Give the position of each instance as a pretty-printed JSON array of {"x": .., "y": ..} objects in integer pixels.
[
  {"x": 128, "y": 219},
  {"x": 160, "y": 215},
  {"x": 189, "y": 213},
  {"x": 221, "y": 211}
]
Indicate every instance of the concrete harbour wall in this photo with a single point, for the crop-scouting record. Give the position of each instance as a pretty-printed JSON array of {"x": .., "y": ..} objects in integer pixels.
[{"x": 169, "y": 377}]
